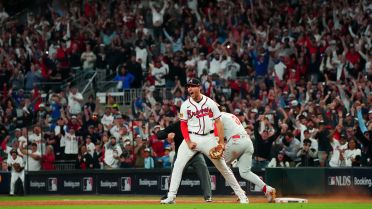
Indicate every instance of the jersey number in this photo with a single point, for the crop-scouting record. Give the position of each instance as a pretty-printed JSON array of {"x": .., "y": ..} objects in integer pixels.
[{"x": 236, "y": 119}]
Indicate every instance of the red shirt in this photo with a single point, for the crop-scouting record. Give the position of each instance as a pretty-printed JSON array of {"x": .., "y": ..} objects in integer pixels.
[
  {"x": 48, "y": 162},
  {"x": 352, "y": 57}
]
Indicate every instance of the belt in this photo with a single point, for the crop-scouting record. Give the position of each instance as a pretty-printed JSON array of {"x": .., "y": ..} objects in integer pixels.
[
  {"x": 237, "y": 136},
  {"x": 211, "y": 132}
]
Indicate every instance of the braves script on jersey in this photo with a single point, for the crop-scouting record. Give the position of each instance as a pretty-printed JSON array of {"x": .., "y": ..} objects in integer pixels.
[{"x": 200, "y": 115}]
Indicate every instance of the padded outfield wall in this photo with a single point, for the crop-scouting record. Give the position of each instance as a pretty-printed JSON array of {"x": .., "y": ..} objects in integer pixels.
[{"x": 288, "y": 181}]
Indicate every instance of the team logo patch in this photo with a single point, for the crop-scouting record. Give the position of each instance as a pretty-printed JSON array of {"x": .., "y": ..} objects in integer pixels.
[
  {"x": 210, "y": 113},
  {"x": 180, "y": 115}
]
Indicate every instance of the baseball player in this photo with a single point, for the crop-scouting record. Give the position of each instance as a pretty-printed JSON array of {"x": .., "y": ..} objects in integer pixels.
[
  {"x": 17, "y": 164},
  {"x": 239, "y": 146},
  {"x": 173, "y": 133},
  {"x": 198, "y": 116}
]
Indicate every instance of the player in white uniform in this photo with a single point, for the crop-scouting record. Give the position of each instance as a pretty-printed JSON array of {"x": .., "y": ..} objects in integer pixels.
[
  {"x": 239, "y": 146},
  {"x": 13, "y": 159},
  {"x": 198, "y": 116}
]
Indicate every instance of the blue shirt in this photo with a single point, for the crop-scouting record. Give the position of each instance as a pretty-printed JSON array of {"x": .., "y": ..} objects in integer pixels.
[
  {"x": 149, "y": 163},
  {"x": 127, "y": 80},
  {"x": 165, "y": 161},
  {"x": 260, "y": 67}
]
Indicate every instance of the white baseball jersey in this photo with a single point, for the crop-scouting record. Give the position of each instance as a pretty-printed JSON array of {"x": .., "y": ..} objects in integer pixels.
[
  {"x": 11, "y": 162},
  {"x": 200, "y": 115},
  {"x": 231, "y": 125}
]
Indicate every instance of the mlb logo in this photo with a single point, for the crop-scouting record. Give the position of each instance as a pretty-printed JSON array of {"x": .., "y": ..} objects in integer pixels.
[
  {"x": 87, "y": 184},
  {"x": 52, "y": 184},
  {"x": 126, "y": 184},
  {"x": 332, "y": 180},
  {"x": 164, "y": 185}
]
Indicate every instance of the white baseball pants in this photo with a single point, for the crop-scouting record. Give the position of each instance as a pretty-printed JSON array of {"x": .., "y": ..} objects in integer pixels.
[{"x": 204, "y": 144}]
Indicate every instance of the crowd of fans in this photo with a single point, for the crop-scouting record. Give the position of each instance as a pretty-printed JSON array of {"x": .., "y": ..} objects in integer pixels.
[{"x": 297, "y": 74}]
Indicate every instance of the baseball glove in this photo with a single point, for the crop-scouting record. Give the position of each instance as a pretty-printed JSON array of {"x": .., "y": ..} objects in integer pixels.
[
  {"x": 216, "y": 152},
  {"x": 17, "y": 167}
]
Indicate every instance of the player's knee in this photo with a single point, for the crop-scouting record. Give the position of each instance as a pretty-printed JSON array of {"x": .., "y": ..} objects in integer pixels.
[{"x": 245, "y": 171}]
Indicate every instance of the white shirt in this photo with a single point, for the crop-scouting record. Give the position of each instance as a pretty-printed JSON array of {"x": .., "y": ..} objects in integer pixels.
[
  {"x": 22, "y": 140},
  {"x": 88, "y": 59},
  {"x": 351, "y": 154},
  {"x": 10, "y": 161},
  {"x": 232, "y": 68},
  {"x": 157, "y": 17},
  {"x": 57, "y": 130},
  {"x": 215, "y": 66},
  {"x": 142, "y": 54},
  {"x": 71, "y": 146},
  {"x": 224, "y": 64},
  {"x": 31, "y": 163},
  {"x": 231, "y": 125},
  {"x": 75, "y": 106},
  {"x": 107, "y": 120},
  {"x": 200, "y": 115},
  {"x": 110, "y": 153},
  {"x": 159, "y": 74},
  {"x": 200, "y": 66},
  {"x": 37, "y": 139},
  {"x": 90, "y": 148},
  {"x": 273, "y": 163},
  {"x": 115, "y": 132}
]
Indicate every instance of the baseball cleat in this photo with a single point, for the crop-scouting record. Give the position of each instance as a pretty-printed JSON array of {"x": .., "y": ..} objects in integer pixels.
[
  {"x": 208, "y": 199},
  {"x": 243, "y": 200},
  {"x": 168, "y": 200},
  {"x": 270, "y": 194}
]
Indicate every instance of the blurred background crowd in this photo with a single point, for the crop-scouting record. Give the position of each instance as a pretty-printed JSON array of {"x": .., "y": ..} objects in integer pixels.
[{"x": 297, "y": 73}]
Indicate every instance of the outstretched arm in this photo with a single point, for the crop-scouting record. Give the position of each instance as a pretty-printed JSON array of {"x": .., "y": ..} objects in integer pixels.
[{"x": 221, "y": 133}]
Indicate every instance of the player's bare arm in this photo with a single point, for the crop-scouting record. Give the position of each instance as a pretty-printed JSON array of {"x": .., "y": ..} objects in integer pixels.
[
  {"x": 170, "y": 137},
  {"x": 220, "y": 130}
]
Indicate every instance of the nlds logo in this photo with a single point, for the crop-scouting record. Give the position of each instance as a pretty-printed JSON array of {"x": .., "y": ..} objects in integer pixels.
[{"x": 339, "y": 180}]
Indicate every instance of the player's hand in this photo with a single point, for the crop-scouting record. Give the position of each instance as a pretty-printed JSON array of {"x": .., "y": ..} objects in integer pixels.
[
  {"x": 170, "y": 137},
  {"x": 192, "y": 145}
]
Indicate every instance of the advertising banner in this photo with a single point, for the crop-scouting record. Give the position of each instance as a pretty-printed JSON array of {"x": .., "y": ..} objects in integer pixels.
[
  {"x": 114, "y": 184},
  {"x": 343, "y": 180},
  {"x": 42, "y": 185},
  {"x": 77, "y": 184},
  {"x": 4, "y": 182}
]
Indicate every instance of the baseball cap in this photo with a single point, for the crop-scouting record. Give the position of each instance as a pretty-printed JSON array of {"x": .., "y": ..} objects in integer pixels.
[
  {"x": 167, "y": 148},
  {"x": 294, "y": 103},
  {"x": 13, "y": 151},
  {"x": 254, "y": 110},
  {"x": 193, "y": 82},
  {"x": 17, "y": 129},
  {"x": 147, "y": 150},
  {"x": 157, "y": 126},
  {"x": 118, "y": 116}
]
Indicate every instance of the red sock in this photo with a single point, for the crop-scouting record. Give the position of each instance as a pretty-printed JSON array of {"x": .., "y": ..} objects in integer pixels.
[{"x": 264, "y": 189}]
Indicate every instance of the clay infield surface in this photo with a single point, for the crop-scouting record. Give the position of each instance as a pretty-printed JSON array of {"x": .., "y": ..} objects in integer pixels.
[{"x": 102, "y": 200}]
